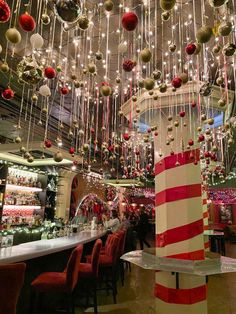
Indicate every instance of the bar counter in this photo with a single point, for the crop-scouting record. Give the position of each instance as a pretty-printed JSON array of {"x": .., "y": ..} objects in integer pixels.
[{"x": 30, "y": 250}]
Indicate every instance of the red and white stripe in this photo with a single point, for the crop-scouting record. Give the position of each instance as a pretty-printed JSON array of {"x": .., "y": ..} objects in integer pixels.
[
  {"x": 179, "y": 232},
  {"x": 205, "y": 215}
]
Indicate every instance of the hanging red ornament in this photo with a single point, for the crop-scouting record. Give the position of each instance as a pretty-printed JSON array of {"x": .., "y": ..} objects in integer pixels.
[
  {"x": 49, "y": 72},
  {"x": 75, "y": 162},
  {"x": 8, "y": 94},
  {"x": 191, "y": 142},
  {"x": 71, "y": 150},
  {"x": 176, "y": 82},
  {"x": 137, "y": 153},
  {"x": 201, "y": 138},
  {"x": 126, "y": 136},
  {"x": 148, "y": 167},
  {"x": 191, "y": 156},
  {"x": 64, "y": 90},
  {"x": 207, "y": 154},
  {"x": 195, "y": 162},
  {"x": 156, "y": 133},
  {"x": 27, "y": 22},
  {"x": 128, "y": 65},
  {"x": 182, "y": 114},
  {"x": 193, "y": 104},
  {"x": 149, "y": 130},
  {"x": 129, "y": 21},
  {"x": 92, "y": 130},
  {"x": 5, "y": 12},
  {"x": 47, "y": 143},
  {"x": 190, "y": 48}
]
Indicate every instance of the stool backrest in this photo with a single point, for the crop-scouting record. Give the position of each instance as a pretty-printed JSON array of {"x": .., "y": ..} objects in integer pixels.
[
  {"x": 113, "y": 248},
  {"x": 107, "y": 244},
  {"x": 72, "y": 268},
  {"x": 11, "y": 281},
  {"x": 95, "y": 257},
  {"x": 122, "y": 235}
]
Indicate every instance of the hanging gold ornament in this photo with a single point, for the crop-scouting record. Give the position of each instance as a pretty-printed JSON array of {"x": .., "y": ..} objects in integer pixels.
[
  {"x": 4, "y": 67},
  {"x": 13, "y": 35},
  {"x": 30, "y": 159},
  {"x": 220, "y": 80},
  {"x": 45, "y": 19},
  {"x": 165, "y": 16},
  {"x": 210, "y": 121},
  {"x": 108, "y": 5},
  {"x": 156, "y": 75},
  {"x": 149, "y": 84},
  {"x": 106, "y": 90},
  {"x": 76, "y": 84},
  {"x": 172, "y": 47},
  {"x": 86, "y": 147},
  {"x": 118, "y": 80},
  {"x": 184, "y": 77},
  {"x": 198, "y": 48},
  {"x": 225, "y": 28},
  {"x": 170, "y": 118},
  {"x": 73, "y": 76},
  {"x": 92, "y": 68},
  {"x": 222, "y": 103},
  {"x": 145, "y": 55},
  {"x": 204, "y": 34},
  {"x": 134, "y": 98},
  {"x": 155, "y": 97},
  {"x": 137, "y": 110},
  {"x": 98, "y": 55},
  {"x": 163, "y": 87},
  {"x": 151, "y": 92},
  {"x": 229, "y": 50},
  {"x": 141, "y": 83},
  {"x": 58, "y": 157},
  {"x": 18, "y": 140},
  {"x": 176, "y": 124},
  {"x": 216, "y": 49},
  {"x": 34, "y": 98},
  {"x": 83, "y": 22},
  {"x": 217, "y": 3},
  {"x": 167, "y": 5},
  {"x": 26, "y": 155}
]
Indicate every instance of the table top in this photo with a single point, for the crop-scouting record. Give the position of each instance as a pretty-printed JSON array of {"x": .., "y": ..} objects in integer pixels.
[
  {"x": 209, "y": 266},
  {"x": 30, "y": 250}
]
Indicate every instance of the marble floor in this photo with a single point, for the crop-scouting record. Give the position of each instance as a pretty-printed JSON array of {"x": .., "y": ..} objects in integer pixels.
[{"x": 137, "y": 294}]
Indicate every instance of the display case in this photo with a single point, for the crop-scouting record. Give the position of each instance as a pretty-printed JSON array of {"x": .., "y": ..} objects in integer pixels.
[{"x": 23, "y": 196}]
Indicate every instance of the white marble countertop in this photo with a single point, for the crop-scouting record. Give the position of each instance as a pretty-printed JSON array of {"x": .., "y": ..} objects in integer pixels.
[{"x": 29, "y": 250}]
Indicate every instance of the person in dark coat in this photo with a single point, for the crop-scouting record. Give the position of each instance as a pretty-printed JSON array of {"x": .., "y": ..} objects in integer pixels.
[{"x": 143, "y": 228}]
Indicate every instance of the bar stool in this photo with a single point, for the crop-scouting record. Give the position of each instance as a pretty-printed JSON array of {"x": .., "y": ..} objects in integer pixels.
[
  {"x": 121, "y": 250},
  {"x": 88, "y": 273},
  {"x": 59, "y": 282},
  {"x": 108, "y": 264},
  {"x": 11, "y": 281}
]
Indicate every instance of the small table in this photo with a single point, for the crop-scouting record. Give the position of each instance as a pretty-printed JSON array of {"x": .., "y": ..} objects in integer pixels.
[{"x": 217, "y": 241}]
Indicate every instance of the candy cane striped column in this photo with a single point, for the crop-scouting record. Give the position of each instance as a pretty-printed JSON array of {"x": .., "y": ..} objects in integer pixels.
[
  {"x": 205, "y": 215},
  {"x": 179, "y": 232}
]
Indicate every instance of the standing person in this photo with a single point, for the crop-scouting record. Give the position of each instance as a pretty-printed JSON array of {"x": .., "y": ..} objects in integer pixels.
[
  {"x": 113, "y": 223},
  {"x": 142, "y": 228}
]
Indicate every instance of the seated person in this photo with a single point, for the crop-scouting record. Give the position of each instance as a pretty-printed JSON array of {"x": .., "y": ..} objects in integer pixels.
[
  {"x": 125, "y": 223},
  {"x": 113, "y": 223},
  {"x": 80, "y": 218}
]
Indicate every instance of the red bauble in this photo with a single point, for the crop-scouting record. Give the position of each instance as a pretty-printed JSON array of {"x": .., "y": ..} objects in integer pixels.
[
  {"x": 75, "y": 162},
  {"x": 49, "y": 72},
  {"x": 71, "y": 150},
  {"x": 195, "y": 162},
  {"x": 126, "y": 136},
  {"x": 128, "y": 65},
  {"x": 129, "y": 21},
  {"x": 176, "y": 82},
  {"x": 148, "y": 167},
  {"x": 8, "y": 94},
  {"x": 190, "y": 49},
  {"x": 172, "y": 153},
  {"x": 64, "y": 90},
  {"x": 137, "y": 153},
  {"x": 182, "y": 114},
  {"x": 190, "y": 142},
  {"x": 207, "y": 154},
  {"x": 48, "y": 143},
  {"x": 27, "y": 22},
  {"x": 149, "y": 130},
  {"x": 207, "y": 161},
  {"x": 156, "y": 133},
  {"x": 5, "y": 12},
  {"x": 92, "y": 130},
  {"x": 111, "y": 148},
  {"x": 193, "y": 104},
  {"x": 201, "y": 138}
]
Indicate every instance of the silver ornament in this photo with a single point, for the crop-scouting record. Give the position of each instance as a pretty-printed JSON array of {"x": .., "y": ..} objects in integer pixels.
[
  {"x": 67, "y": 10},
  {"x": 30, "y": 71}
]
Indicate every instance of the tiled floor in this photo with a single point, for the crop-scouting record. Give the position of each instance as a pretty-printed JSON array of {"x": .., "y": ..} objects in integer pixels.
[{"x": 137, "y": 294}]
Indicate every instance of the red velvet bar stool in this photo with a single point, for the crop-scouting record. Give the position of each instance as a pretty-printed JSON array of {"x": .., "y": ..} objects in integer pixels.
[
  {"x": 121, "y": 251},
  {"x": 11, "y": 281},
  {"x": 60, "y": 282},
  {"x": 88, "y": 273},
  {"x": 108, "y": 264}
]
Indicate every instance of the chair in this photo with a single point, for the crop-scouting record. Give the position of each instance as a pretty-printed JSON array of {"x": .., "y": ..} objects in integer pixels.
[
  {"x": 11, "y": 281},
  {"x": 59, "y": 282},
  {"x": 88, "y": 273},
  {"x": 108, "y": 263}
]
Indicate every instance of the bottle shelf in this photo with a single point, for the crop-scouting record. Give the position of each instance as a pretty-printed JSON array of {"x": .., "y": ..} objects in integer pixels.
[
  {"x": 11, "y": 187},
  {"x": 21, "y": 207}
]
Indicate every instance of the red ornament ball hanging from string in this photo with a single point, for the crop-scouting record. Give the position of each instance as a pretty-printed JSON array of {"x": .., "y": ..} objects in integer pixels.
[
  {"x": 129, "y": 21},
  {"x": 176, "y": 82},
  {"x": 126, "y": 136},
  {"x": 27, "y": 22},
  {"x": 201, "y": 138},
  {"x": 128, "y": 65},
  {"x": 190, "y": 48},
  {"x": 48, "y": 143},
  {"x": 8, "y": 94},
  {"x": 190, "y": 142},
  {"x": 5, "y": 12},
  {"x": 71, "y": 150},
  {"x": 182, "y": 114},
  {"x": 49, "y": 73},
  {"x": 193, "y": 104},
  {"x": 64, "y": 90}
]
